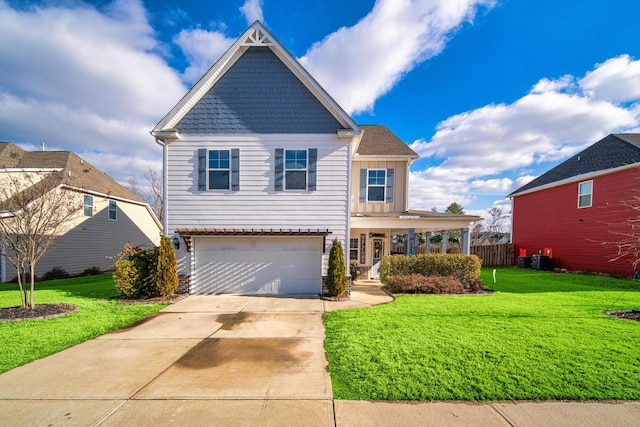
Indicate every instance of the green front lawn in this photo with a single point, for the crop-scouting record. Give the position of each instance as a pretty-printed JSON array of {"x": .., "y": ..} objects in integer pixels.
[
  {"x": 542, "y": 335},
  {"x": 99, "y": 313}
]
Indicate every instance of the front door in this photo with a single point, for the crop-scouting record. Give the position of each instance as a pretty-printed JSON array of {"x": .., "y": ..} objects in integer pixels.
[{"x": 378, "y": 253}]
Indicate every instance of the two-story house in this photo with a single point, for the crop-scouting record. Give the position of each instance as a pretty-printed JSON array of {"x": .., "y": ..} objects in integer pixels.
[
  {"x": 263, "y": 170},
  {"x": 108, "y": 215}
]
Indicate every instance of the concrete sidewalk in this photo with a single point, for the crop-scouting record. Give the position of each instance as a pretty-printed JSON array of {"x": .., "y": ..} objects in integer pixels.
[{"x": 240, "y": 360}]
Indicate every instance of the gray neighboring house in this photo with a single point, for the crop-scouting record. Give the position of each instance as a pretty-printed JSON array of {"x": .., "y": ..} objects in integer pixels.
[{"x": 108, "y": 218}]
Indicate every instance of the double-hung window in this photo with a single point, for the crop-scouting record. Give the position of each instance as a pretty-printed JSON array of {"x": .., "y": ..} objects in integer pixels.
[
  {"x": 376, "y": 184},
  {"x": 219, "y": 169},
  {"x": 88, "y": 205},
  {"x": 354, "y": 244},
  {"x": 585, "y": 193},
  {"x": 295, "y": 170},
  {"x": 113, "y": 210}
]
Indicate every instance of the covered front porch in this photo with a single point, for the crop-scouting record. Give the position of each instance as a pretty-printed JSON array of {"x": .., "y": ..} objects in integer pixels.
[{"x": 376, "y": 235}]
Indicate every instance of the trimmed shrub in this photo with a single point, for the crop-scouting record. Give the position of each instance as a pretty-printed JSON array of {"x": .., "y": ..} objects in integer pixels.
[
  {"x": 336, "y": 281},
  {"x": 418, "y": 284},
  {"x": 465, "y": 268},
  {"x": 166, "y": 274},
  {"x": 55, "y": 273},
  {"x": 92, "y": 271},
  {"x": 134, "y": 272}
]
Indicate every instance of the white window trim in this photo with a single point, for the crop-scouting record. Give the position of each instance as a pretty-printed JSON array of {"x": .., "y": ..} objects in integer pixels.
[
  {"x": 590, "y": 194},
  {"x": 209, "y": 169},
  {"x": 85, "y": 206},
  {"x": 305, "y": 170},
  {"x": 114, "y": 210},
  {"x": 384, "y": 186},
  {"x": 357, "y": 249}
]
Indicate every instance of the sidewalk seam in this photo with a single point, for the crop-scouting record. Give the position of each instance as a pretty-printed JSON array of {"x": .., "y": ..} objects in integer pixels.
[{"x": 502, "y": 415}]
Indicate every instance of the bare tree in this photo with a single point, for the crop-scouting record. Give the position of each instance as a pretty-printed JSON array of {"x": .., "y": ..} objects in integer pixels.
[
  {"x": 155, "y": 191},
  {"x": 626, "y": 232},
  {"x": 153, "y": 194},
  {"x": 33, "y": 211}
]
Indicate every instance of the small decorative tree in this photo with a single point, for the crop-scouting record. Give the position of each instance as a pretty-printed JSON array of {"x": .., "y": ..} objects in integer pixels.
[
  {"x": 336, "y": 281},
  {"x": 166, "y": 275}
]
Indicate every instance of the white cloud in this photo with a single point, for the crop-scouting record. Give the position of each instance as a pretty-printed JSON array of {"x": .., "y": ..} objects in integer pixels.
[
  {"x": 252, "y": 11},
  {"x": 552, "y": 122},
  {"x": 359, "y": 64},
  {"x": 86, "y": 80},
  {"x": 615, "y": 80},
  {"x": 202, "y": 49}
]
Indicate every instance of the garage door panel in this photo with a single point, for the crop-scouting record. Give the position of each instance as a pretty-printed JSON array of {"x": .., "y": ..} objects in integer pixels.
[{"x": 258, "y": 265}]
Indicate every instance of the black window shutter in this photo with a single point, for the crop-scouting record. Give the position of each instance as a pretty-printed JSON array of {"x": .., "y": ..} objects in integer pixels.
[
  {"x": 235, "y": 169},
  {"x": 279, "y": 169},
  {"x": 311, "y": 171},
  {"x": 202, "y": 169},
  {"x": 363, "y": 185},
  {"x": 389, "y": 185}
]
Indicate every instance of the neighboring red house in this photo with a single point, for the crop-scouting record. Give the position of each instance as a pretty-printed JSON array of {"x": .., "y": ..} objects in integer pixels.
[{"x": 576, "y": 206}]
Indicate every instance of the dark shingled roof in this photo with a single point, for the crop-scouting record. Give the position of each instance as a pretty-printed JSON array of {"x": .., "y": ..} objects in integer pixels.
[
  {"x": 76, "y": 171},
  {"x": 258, "y": 94},
  {"x": 611, "y": 152},
  {"x": 378, "y": 140}
]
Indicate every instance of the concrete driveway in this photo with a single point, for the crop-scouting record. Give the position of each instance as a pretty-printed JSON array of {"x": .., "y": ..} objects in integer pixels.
[{"x": 238, "y": 360}]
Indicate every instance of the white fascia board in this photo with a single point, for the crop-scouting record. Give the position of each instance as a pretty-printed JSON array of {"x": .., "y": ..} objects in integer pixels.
[
  {"x": 577, "y": 178},
  {"x": 387, "y": 158}
]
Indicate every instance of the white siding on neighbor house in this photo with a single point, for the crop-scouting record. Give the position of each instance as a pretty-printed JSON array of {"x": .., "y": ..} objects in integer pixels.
[
  {"x": 96, "y": 241},
  {"x": 399, "y": 203},
  {"x": 257, "y": 204}
]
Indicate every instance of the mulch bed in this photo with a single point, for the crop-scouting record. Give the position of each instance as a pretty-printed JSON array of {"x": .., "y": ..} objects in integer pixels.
[
  {"x": 41, "y": 311},
  {"x": 625, "y": 314}
]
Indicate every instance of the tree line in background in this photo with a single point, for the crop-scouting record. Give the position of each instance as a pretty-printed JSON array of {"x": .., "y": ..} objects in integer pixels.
[{"x": 152, "y": 192}]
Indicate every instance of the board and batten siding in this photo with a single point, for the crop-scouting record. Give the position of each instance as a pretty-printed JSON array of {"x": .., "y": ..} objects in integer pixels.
[
  {"x": 256, "y": 204},
  {"x": 96, "y": 241},
  {"x": 399, "y": 202}
]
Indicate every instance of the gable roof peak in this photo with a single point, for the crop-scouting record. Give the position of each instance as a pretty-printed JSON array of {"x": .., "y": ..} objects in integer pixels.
[{"x": 256, "y": 36}]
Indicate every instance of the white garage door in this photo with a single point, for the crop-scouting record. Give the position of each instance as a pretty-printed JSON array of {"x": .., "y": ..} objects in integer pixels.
[{"x": 251, "y": 265}]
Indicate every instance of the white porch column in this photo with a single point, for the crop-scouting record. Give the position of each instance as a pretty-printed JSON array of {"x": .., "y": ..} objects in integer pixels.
[
  {"x": 445, "y": 240},
  {"x": 466, "y": 241}
]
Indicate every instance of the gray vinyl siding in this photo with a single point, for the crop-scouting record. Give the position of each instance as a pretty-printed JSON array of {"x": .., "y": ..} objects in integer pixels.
[
  {"x": 97, "y": 241},
  {"x": 258, "y": 94},
  {"x": 398, "y": 204},
  {"x": 257, "y": 204}
]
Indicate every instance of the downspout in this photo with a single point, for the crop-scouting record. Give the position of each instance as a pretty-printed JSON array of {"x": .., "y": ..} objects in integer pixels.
[
  {"x": 3, "y": 261},
  {"x": 165, "y": 185}
]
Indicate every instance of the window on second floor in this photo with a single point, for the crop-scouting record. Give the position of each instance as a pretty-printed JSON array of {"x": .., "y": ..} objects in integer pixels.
[
  {"x": 88, "y": 205},
  {"x": 219, "y": 169},
  {"x": 113, "y": 210},
  {"x": 295, "y": 170},
  {"x": 585, "y": 193},
  {"x": 376, "y": 184}
]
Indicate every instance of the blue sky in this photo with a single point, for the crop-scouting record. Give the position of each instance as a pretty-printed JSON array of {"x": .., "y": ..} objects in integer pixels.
[{"x": 490, "y": 93}]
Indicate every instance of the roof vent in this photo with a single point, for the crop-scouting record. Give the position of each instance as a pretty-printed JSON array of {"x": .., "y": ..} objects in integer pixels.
[
  {"x": 69, "y": 173},
  {"x": 578, "y": 158},
  {"x": 82, "y": 161}
]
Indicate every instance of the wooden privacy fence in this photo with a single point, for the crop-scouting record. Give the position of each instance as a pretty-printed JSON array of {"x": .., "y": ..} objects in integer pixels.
[{"x": 495, "y": 255}]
